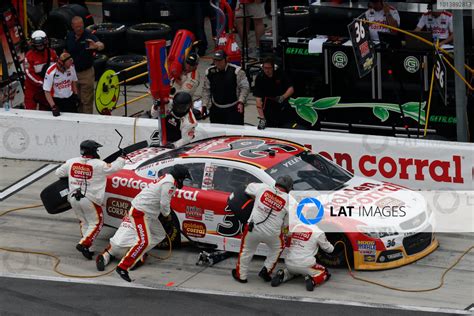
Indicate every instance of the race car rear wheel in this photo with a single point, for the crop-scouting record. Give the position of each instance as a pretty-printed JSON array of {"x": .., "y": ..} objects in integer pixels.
[{"x": 337, "y": 258}]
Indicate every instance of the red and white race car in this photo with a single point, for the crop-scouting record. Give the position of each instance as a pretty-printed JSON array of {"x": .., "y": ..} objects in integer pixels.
[{"x": 220, "y": 165}]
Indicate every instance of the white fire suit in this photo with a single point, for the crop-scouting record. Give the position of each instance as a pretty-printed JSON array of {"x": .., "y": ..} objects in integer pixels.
[
  {"x": 304, "y": 245},
  {"x": 268, "y": 215},
  {"x": 189, "y": 82},
  {"x": 87, "y": 177},
  {"x": 146, "y": 207}
]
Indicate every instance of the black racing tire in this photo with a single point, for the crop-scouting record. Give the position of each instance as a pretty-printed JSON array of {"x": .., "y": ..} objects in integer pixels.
[
  {"x": 54, "y": 197},
  {"x": 168, "y": 10},
  {"x": 297, "y": 20},
  {"x": 122, "y": 11},
  {"x": 59, "y": 22},
  {"x": 100, "y": 62},
  {"x": 81, "y": 11},
  {"x": 58, "y": 44},
  {"x": 113, "y": 35},
  {"x": 138, "y": 34},
  {"x": 121, "y": 62},
  {"x": 337, "y": 259}
]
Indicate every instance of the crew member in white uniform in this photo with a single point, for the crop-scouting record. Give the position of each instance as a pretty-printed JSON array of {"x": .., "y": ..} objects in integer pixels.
[
  {"x": 382, "y": 13},
  {"x": 87, "y": 180},
  {"x": 439, "y": 23},
  {"x": 146, "y": 208},
  {"x": 300, "y": 260},
  {"x": 264, "y": 226}
]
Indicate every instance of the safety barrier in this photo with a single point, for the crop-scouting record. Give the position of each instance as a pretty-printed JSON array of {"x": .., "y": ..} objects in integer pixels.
[{"x": 415, "y": 163}]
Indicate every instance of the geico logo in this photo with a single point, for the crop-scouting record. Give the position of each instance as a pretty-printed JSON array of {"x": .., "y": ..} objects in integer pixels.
[
  {"x": 187, "y": 195},
  {"x": 402, "y": 168},
  {"x": 129, "y": 183}
]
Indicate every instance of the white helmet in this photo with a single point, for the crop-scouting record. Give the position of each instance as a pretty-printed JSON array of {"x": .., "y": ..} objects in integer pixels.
[{"x": 39, "y": 40}]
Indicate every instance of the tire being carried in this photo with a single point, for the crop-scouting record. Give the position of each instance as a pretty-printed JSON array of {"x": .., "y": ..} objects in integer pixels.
[
  {"x": 138, "y": 34},
  {"x": 121, "y": 62}
]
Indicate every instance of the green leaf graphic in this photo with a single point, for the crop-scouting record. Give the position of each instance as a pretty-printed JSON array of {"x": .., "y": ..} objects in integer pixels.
[
  {"x": 412, "y": 106},
  {"x": 381, "y": 113},
  {"x": 326, "y": 103},
  {"x": 308, "y": 114},
  {"x": 300, "y": 101}
]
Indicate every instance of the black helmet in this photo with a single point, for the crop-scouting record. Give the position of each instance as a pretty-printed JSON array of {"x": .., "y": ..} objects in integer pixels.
[
  {"x": 39, "y": 40},
  {"x": 192, "y": 59},
  {"x": 285, "y": 182},
  {"x": 182, "y": 103},
  {"x": 179, "y": 173},
  {"x": 89, "y": 148}
]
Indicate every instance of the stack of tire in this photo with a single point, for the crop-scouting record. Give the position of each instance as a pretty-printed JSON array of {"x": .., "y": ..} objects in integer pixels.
[{"x": 59, "y": 20}]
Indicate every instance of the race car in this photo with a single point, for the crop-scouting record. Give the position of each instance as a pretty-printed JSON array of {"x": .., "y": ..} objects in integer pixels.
[{"x": 221, "y": 165}]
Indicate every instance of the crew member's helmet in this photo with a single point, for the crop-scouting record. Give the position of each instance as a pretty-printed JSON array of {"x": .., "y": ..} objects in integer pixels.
[
  {"x": 192, "y": 59},
  {"x": 285, "y": 182},
  {"x": 89, "y": 148},
  {"x": 179, "y": 173},
  {"x": 39, "y": 40},
  {"x": 182, "y": 103}
]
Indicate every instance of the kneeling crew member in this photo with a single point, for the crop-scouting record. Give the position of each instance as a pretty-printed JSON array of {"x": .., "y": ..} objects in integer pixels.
[
  {"x": 87, "y": 179},
  {"x": 264, "y": 226},
  {"x": 146, "y": 207}
]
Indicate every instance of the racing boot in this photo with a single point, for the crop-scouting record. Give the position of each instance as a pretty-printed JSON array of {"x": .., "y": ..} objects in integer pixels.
[
  {"x": 85, "y": 251},
  {"x": 265, "y": 275},
  {"x": 139, "y": 262},
  {"x": 278, "y": 278},
  {"x": 308, "y": 280},
  {"x": 100, "y": 262},
  {"x": 123, "y": 274},
  {"x": 236, "y": 277}
]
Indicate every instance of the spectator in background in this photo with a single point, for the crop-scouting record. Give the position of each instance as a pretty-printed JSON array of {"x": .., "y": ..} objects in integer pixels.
[
  {"x": 255, "y": 9},
  {"x": 82, "y": 44},
  {"x": 272, "y": 90},
  {"x": 203, "y": 10},
  {"x": 382, "y": 13},
  {"x": 225, "y": 91},
  {"x": 439, "y": 23},
  {"x": 60, "y": 85},
  {"x": 37, "y": 61}
]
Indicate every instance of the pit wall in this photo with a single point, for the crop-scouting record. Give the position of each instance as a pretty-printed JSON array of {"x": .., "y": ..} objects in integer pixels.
[{"x": 420, "y": 164}]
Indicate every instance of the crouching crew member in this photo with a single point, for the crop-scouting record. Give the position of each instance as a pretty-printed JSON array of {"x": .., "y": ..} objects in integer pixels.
[
  {"x": 87, "y": 179},
  {"x": 301, "y": 260},
  {"x": 146, "y": 207},
  {"x": 264, "y": 226}
]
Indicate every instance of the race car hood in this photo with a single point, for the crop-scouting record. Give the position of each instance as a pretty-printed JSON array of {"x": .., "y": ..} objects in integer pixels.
[
  {"x": 138, "y": 157},
  {"x": 385, "y": 205}
]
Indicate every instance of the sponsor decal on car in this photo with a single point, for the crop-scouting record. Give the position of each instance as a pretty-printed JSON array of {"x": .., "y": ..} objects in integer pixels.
[
  {"x": 187, "y": 195},
  {"x": 369, "y": 258},
  {"x": 389, "y": 201},
  {"x": 208, "y": 215},
  {"x": 128, "y": 183},
  {"x": 117, "y": 208},
  {"x": 81, "y": 171},
  {"x": 194, "y": 212},
  {"x": 366, "y": 247},
  {"x": 194, "y": 229}
]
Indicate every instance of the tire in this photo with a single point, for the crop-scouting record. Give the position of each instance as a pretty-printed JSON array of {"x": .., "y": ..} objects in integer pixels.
[
  {"x": 121, "y": 62},
  {"x": 59, "y": 22},
  {"x": 168, "y": 10},
  {"x": 113, "y": 35},
  {"x": 81, "y": 11},
  {"x": 100, "y": 62},
  {"x": 59, "y": 45},
  {"x": 337, "y": 259},
  {"x": 54, "y": 198},
  {"x": 122, "y": 11},
  {"x": 138, "y": 34},
  {"x": 297, "y": 19}
]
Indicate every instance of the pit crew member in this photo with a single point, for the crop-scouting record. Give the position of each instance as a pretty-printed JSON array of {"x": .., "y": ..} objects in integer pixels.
[
  {"x": 439, "y": 23},
  {"x": 382, "y": 13},
  {"x": 146, "y": 207},
  {"x": 264, "y": 226},
  {"x": 87, "y": 179}
]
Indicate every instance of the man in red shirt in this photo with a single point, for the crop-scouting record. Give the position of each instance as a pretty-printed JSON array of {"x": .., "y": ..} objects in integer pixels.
[{"x": 37, "y": 60}]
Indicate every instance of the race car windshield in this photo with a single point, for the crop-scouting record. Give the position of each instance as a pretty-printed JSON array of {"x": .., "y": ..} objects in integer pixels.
[{"x": 311, "y": 172}]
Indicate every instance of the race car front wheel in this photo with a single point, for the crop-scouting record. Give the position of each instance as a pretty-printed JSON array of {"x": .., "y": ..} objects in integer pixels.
[{"x": 337, "y": 258}]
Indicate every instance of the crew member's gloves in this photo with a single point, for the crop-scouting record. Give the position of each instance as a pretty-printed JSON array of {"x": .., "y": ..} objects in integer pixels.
[
  {"x": 240, "y": 107},
  {"x": 55, "y": 110},
  {"x": 280, "y": 99},
  {"x": 262, "y": 123}
]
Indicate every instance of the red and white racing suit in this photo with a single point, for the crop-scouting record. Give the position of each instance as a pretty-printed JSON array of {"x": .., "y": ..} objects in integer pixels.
[
  {"x": 146, "y": 207},
  {"x": 88, "y": 176},
  {"x": 35, "y": 61},
  {"x": 268, "y": 216},
  {"x": 304, "y": 246}
]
